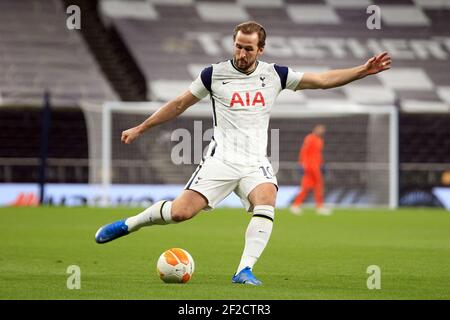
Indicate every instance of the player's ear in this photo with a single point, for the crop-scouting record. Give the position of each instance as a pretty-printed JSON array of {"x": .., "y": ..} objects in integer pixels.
[{"x": 260, "y": 50}]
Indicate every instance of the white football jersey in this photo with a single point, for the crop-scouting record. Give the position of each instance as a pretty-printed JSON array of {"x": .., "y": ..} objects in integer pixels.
[{"x": 241, "y": 105}]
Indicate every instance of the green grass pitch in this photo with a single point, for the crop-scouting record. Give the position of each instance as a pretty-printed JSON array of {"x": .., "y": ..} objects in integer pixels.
[{"x": 308, "y": 257}]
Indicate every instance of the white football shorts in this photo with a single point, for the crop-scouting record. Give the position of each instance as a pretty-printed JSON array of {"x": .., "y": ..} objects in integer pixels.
[{"x": 216, "y": 179}]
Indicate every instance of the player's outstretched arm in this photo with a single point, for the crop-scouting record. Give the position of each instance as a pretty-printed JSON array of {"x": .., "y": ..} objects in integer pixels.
[
  {"x": 340, "y": 77},
  {"x": 169, "y": 111}
]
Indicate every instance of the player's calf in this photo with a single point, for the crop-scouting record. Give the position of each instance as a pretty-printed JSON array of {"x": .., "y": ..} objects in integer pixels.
[
  {"x": 187, "y": 205},
  {"x": 182, "y": 213}
]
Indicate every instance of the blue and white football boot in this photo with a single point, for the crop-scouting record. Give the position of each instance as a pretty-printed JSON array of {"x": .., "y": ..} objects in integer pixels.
[
  {"x": 111, "y": 231},
  {"x": 246, "y": 276}
]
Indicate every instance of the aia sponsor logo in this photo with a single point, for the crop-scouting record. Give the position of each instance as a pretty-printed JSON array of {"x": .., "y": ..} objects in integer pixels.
[{"x": 247, "y": 100}]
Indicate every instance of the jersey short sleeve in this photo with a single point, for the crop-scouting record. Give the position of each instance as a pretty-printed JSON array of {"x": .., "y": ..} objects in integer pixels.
[
  {"x": 198, "y": 89},
  {"x": 201, "y": 86},
  {"x": 289, "y": 78},
  {"x": 293, "y": 79}
]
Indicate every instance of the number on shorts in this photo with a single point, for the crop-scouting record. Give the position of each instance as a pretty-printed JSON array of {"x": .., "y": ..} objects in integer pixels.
[{"x": 266, "y": 172}]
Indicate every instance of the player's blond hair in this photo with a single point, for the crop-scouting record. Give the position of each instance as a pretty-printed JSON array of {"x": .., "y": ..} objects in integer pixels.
[{"x": 250, "y": 27}]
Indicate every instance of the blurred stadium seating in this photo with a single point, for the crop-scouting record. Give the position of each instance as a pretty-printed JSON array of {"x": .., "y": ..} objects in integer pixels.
[
  {"x": 38, "y": 52},
  {"x": 307, "y": 35},
  {"x": 131, "y": 50}
]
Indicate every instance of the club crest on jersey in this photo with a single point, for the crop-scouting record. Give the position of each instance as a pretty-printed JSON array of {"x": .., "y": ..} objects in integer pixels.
[
  {"x": 248, "y": 100},
  {"x": 262, "y": 81}
]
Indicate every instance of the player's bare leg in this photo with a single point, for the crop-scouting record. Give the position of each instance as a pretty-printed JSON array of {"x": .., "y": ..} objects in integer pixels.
[
  {"x": 184, "y": 207},
  {"x": 258, "y": 232},
  {"x": 187, "y": 205}
]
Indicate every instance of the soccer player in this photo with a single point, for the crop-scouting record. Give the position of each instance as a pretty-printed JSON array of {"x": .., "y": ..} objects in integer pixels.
[
  {"x": 311, "y": 160},
  {"x": 242, "y": 91}
]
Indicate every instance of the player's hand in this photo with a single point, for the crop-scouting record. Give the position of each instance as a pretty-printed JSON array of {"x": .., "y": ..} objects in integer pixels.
[
  {"x": 378, "y": 63},
  {"x": 129, "y": 135}
]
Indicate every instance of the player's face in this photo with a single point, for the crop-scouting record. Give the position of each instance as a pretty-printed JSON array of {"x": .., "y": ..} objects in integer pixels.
[
  {"x": 320, "y": 130},
  {"x": 246, "y": 50}
]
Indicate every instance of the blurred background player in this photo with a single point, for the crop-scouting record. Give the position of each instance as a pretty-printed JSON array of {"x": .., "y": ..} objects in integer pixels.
[{"x": 311, "y": 160}]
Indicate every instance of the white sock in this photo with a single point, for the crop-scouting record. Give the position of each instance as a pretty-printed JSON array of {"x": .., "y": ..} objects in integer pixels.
[
  {"x": 257, "y": 235},
  {"x": 158, "y": 213}
]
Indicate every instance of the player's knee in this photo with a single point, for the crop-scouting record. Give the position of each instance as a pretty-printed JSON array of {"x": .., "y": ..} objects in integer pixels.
[
  {"x": 182, "y": 213},
  {"x": 264, "y": 194},
  {"x": 268, "y": 200}
]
